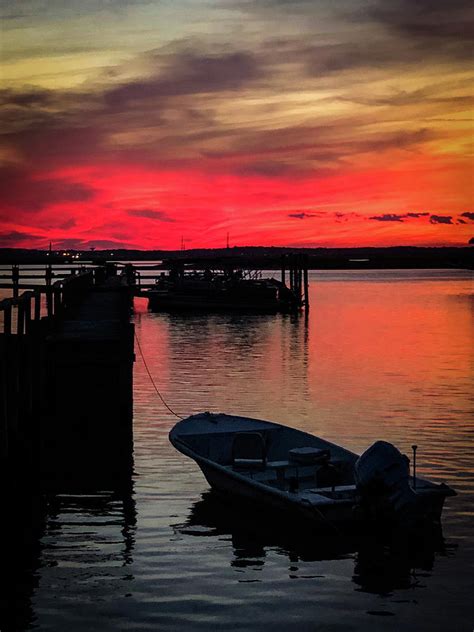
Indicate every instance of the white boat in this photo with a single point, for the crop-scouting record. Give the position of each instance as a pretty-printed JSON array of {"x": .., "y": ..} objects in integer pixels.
[{"x": 305, "y": 476}]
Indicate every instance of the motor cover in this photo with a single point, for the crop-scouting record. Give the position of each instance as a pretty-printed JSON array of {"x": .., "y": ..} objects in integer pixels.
[{"x": 382, "y": 475}]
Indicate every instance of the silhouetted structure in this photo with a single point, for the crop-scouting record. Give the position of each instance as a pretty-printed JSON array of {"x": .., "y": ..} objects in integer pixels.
[
  {"x": 224, "y": 284},
  {"x": 66, "y": 374}
]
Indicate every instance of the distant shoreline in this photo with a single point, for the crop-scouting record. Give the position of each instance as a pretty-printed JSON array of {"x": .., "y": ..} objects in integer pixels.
[{"x": 263, "y": 257}]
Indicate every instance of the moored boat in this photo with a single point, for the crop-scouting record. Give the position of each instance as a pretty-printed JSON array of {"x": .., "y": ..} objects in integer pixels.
[
  {"x": 305, "y": 476},
  {"x": 224, "y": 288}
]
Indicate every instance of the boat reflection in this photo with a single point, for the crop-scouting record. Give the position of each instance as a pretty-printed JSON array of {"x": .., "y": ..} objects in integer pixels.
[{"x": 380, "y": 567}]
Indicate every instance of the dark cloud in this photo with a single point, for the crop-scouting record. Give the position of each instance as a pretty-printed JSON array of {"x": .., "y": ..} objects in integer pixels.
[
  {"x": 304, "y": 150},
  {"x": 150, "y": 214},
  {"x": 105, "y": 243},
  {"x": 56, "y": 9},
  {"x": 388, "y": 217},
  {"x": 272, "y": 168},
  {"x": 14, "y": 238},
  {"x": 189, "y": 73},
  {"x": 328, "y": 59},
  {"x": 58, "y": 141},
  {"x": 345, "y": 217},
  {"x": 471, "y": 241},
  {"x": 468, "y": 215},
  {"x": 70, "y": 223},
  {"x": 30, "y": 97},
  {"x": 58, "y": 128},
  {"x": 429, "y": 95},
  {"x": 20, "y": 189},
  {"x": 400, "y": 140},
  {"x": 461, "y": 221},
  {"x": 412, "y": 31},
  {"x": 437, "y": 26},
  {"x": 441, "y": 219},
  {"x": 68, "y": 243},
  {"x": 400, "y": 217},
  {"x": 72, "y": 243},
  {"x": 302, "y": 215}
]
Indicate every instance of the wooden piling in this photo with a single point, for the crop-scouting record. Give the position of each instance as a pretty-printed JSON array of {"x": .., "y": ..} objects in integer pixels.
[
  {"x": 37, "y": 306},
  {"x": 48, "y": 276},
  {"x": 15, "y": 280},
  {"x": 7, "y": 317},
  {"x": 20, "y": 318},
  {"x": 306, "y": 286},
  {"x": 4, "y": 438}
]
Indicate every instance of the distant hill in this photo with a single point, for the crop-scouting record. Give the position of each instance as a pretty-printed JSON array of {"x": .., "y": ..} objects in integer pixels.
[{"x": 267, "y": 257}]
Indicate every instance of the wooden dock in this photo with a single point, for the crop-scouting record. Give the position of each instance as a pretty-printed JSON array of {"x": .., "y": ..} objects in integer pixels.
[{"x": 66, "y": 366}]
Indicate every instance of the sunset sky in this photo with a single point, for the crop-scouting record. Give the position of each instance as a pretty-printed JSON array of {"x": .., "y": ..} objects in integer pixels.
[{"x": 135, "y": 123}]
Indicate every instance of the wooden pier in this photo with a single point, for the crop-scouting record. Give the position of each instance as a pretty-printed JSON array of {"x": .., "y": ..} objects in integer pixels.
[{"x": 66, "y": 360}]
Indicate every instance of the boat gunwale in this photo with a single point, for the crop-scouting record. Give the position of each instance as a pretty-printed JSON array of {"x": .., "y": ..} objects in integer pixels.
[
  {"x": 424, "y": 487},
  {"x": 294, "y": 500}
]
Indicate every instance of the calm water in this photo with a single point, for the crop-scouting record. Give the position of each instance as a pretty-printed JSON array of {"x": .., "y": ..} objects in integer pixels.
[{"x": 382, "y": 355}]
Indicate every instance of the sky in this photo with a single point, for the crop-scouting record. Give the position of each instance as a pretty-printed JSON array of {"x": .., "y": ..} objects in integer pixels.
[{"x": 147, "y": 124}]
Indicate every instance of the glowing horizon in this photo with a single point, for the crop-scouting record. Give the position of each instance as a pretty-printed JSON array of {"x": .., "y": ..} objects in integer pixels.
[{"x": 135, "y": 123}]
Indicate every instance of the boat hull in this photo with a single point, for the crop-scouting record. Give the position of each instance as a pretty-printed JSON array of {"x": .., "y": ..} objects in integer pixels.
[
  {"x": 296, "y": 490},
  {"x": 175, "y": 302},
  {"x": 230, "y": 485}
]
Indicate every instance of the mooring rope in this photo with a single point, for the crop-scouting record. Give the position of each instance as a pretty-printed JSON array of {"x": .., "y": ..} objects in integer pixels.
[{"x": 153, "y": 381}]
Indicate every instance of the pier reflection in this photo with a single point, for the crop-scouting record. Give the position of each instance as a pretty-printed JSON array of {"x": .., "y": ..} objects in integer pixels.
[
  {"x": 82, "y": 520},
  {"x": 380, "y": 567}
]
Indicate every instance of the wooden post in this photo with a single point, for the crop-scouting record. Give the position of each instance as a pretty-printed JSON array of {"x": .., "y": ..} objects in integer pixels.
[
  {"x": 298, "y": 279},
  {"x": 49, "y": 297},
  {"x": 20, "y": 323},
  {"x": 4, "y": 393},
  {"x": 37, "y": 306},
  {"x": 57, "y": 300},
  {"x": 7, "y": 317},
  {"x": 283, "y": 271},
  {"x": 27, "y": 311},
  {"x": 306, "y": 286},
  {"x": 15, "y": 280}
]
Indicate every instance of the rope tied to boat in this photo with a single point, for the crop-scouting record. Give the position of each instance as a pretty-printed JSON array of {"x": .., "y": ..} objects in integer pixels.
[{"x": 153, "y": 381}]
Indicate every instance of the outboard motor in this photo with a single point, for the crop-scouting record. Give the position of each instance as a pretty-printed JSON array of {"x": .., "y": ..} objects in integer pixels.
[{"x": 382, "y": 477}]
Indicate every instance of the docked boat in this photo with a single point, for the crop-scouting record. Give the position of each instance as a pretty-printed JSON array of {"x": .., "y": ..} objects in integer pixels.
[
  {"x": 304, "y": 476},
  {"x": 228, "y": 289}
]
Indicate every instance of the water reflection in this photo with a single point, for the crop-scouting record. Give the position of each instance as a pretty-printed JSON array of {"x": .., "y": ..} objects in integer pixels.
[
  {"x": 213, "y": 354},
  {"x": 380, "y": 567},
  {"x": 77, "y": 533},
  {"x": 21, "y": 529}
]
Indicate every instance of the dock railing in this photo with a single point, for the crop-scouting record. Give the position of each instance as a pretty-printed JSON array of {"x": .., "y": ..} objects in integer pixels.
[{"x": 62, "y": 295}]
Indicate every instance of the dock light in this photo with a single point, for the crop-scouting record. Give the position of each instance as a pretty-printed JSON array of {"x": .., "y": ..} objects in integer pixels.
[{"x": 414, "y": 448}]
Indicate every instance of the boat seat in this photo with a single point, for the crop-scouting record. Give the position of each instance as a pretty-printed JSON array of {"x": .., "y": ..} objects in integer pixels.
[
  {"x": 249, "y": 451},
  {"x": 308, "y": 455},
  {"x": 327, "y": 475}
]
